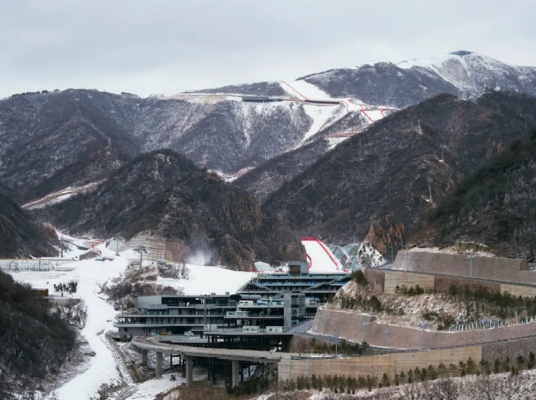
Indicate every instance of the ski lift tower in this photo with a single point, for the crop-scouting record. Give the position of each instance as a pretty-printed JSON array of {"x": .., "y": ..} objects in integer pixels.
[{"x": 141, "y": 250}]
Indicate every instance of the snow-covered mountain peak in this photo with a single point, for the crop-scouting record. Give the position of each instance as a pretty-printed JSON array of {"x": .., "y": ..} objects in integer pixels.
[{"x": 471, "y": 72}]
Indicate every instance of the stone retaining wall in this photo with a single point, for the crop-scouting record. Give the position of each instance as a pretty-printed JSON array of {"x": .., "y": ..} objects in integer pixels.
[
  {"x": 350, "y": 325},
  {"x": 388, "y": 280},
  {"x": 390, "y": 364},
  {"x": 398, "y": 279},
  {"x": 494, "y": 268}
]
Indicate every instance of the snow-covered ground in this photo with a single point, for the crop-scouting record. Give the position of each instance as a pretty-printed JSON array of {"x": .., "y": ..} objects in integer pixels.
[
  {"x": 304, "y": 90},
  {"x": 60, "y": 195},
  {"x": 102, "y": 369},
  {"x": 89, "y": 275},
  {"x": 320, "y": 115},
  {"x": 149, "y": 389},
  {"x": 208, "y": 280},
  {"x": 321, "y": 259}
]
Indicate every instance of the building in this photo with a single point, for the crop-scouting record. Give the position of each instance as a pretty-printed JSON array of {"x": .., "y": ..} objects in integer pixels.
[
  {"x": 269, "y": 303},
  {"x": 175, "y": 315},
  {"x": 316, "y": 289}
]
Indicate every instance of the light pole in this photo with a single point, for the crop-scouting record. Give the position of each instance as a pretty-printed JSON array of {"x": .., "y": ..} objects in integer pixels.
[
  {"x": 423, "y": 327},
  {"x": 388, "y": 333},
  {"x": 470, "y": 257}
]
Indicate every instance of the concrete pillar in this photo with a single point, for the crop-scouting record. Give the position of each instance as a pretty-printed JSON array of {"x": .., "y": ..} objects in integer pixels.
[
  {"x": 144, "y": 357},
  {"x": 158, "y": 364},
  {"x": 189, "y": 371},
  {"x": 236, "y": 367}
]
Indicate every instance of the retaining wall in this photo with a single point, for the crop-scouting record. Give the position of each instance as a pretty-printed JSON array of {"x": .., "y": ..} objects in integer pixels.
[
  {"x": 390, "y": 364},
  {"x": 158, "y": 248},
  {"x": 441, "y": 283},
  {"x": 408, "y": 279},
  {"x": 349, "y": 325},
  {"x": 494, "y": 268}
]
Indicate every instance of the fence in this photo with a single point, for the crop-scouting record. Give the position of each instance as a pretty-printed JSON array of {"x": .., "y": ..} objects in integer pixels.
[{"x": 19, "y": 265}]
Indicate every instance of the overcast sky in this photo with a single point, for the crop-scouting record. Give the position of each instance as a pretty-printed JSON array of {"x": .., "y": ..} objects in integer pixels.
[{"x": 167, "y": 46}]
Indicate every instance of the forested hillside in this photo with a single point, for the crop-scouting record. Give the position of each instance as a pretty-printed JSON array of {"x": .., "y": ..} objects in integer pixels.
[
  {"x": 35, "y": 342},
  {"x": 496, "y": 206}
]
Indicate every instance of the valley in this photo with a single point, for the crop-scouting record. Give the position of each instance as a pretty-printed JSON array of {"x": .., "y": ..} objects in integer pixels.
[{"x": 367, "y": 223}]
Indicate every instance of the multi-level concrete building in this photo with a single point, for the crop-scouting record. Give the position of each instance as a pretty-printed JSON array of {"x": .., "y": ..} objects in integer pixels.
[
  {"x": 175, "y": 315},
  {"x": 272, "y": 302}
]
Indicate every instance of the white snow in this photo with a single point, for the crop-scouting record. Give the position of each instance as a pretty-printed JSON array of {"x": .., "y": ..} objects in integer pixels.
[
  {"x": 207, "y": 280},
  {"x": 149, "y": 389},
  {"x": 304, "y": 90},
  {"x": 89, "y": 274},
  {"x": 320, "y": 115},
  {"x": 60, "y": 195},
  {"x": 321, "y": 259}
]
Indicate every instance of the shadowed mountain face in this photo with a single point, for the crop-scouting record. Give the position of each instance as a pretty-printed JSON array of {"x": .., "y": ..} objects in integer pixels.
[
  {"x": 378, "y": 184},
  {"x": 165, "y": 193},
  {"x": 20, "y": 235},
  {"x": 496, "y": 206}
]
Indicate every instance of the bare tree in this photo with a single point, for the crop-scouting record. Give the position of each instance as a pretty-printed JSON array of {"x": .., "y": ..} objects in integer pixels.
[{"x": 485, "y": 388}]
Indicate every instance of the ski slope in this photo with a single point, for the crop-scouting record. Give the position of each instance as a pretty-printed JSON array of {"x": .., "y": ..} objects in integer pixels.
[
  {"x": 89, "y": 274},
  {"x": 101, "y": 368},
  {"x": 208, "y": 280},
  {"x": 320, "y": 258},
  {"x": 304, "y": 90}
]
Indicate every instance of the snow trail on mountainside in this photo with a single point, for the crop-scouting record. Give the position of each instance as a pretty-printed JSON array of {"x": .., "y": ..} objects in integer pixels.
[
  {"x": 304, "y": 90},
  {"x": 89, "y": 274}
]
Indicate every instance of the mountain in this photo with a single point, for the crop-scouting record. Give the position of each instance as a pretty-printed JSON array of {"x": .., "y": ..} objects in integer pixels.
[
  {"x": 165, "y": 193},
  {"x": 74, "y": 137},
  {"x": 409, "y": 82},
  {"x": 272, "y": 174},
  {"x": 496, "y": 206},
  {"x": 20, "y": 235},
  {"x": 262, "y": 181},
  {"x": 77, "y": 137},
  {"x": 376, "y": 185}
]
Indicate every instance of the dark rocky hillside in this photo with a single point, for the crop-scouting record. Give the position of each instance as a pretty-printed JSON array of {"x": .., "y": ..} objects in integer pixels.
[
  {"x": 70, "y": 138},
  {"x": 496, "y": 206},
  {"x": 63, "y": 138},
  {"x": 20, "y": 235},
  {"x": 260, "y": 88},
  {"x": 272, "y": 174},
  {"x": 50, "y": 141},
  {"x": 165, "y": 193},
  {"x": 35, "y": 342},
  {"x": 376, "y": 184}
]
